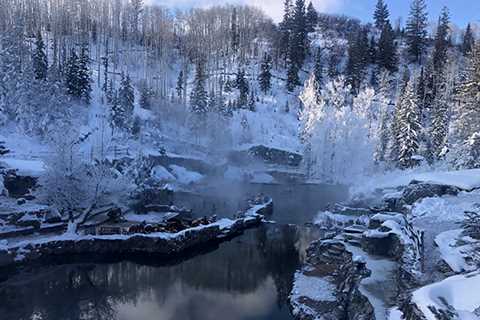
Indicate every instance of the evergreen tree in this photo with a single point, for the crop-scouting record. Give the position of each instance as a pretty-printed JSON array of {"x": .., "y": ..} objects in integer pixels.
[
  {"x": 384, "y": 101},
  {"x": 126, "y": 99},
  {"x": 441, "y": 41},
  {"x": 234, "y": 35},
  {"x": 83, "y": 76},
  {"x": 179, "y": 87},
  {"x": 243, "y": 88},
  {"x": 286, "y": 29},
  {"x": 381, "y": 14},
  {"x": 372, "y": 50},
  {"x": 468, "y": 114},
  {"x": 265, "y": 76},
  {"x": 408, "y": 127},
  {"x": 468, "y": 40},
  {"x": 199, "y": 96},
  {"x": 357, "y": 60},
  {"x": 251, "y": 101},
  {"x": 292, "y": 77},
  {"x": 311, "y": 18},
  {"x": 39, "y": 59},
  {"x": 212, "y": 101},
  {"x": 318, "y": 71},
  {"x": 72, "y": 75},
  {"x": 298, "y": 39},
  {"x": 145, "y": 97},
  {"x": 416, "y": 29},
  {"x": 387, "y": 52}
]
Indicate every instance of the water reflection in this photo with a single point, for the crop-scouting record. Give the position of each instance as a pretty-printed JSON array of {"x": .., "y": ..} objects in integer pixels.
[{"x": 247, "y": 278}]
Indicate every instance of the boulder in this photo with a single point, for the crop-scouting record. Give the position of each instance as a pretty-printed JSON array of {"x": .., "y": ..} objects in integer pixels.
[
  {"x": 19, "y": 186},
  {"x": 419, "y": 190}
]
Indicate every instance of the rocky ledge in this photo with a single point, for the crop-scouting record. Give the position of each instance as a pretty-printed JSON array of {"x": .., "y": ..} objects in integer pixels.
[{"x": 161, "y": 244}]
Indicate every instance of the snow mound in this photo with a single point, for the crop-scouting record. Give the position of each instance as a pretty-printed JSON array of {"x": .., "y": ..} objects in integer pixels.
[
  {"x": 454, "y": 254},
  {"x": 457, "y": 292},
  {"x": 161, "y": 174},
  {"x": 185, "y": 176}
]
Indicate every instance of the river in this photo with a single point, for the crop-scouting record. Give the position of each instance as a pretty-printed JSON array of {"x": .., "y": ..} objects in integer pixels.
[{"x": 247, "y": 278}]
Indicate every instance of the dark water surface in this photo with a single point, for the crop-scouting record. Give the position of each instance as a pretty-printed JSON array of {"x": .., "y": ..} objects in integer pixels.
[{"x": 248, "y": 278}]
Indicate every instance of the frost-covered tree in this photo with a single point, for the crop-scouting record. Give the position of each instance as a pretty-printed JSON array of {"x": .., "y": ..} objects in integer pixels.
[
  {"x": 39, "y": 58},
  {"x": 384, "y": 103},
  {"x": 408, "y": 127},
  {"x": 77, "y": 75},
  {"x": 318, "y": 70},
  {"x": 468, "y": 40}
]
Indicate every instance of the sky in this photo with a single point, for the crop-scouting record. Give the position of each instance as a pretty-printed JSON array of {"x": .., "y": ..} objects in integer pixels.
[{"x": 461, "y": 11}]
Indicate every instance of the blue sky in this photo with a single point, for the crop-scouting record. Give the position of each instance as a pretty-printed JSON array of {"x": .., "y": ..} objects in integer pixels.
[{"x": 461, "y": 11}]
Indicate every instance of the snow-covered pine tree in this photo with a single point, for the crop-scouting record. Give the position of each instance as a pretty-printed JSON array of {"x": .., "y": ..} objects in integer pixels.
[
  {"x": 387, "y": 52},
  {"x": 265, "y": 76},
  {"x": 84, "y": 79},
  {"x": 311, "y": 17},
  {"x": 384, "y": 102},
  {"x": 179, "y": 87},
  {"x": 71, "y": 74},
  {"x": 146, "y": 94},
  {"x": 441, "y": 41},
  {"x": 468, "y": 40},
  {"x": 39, "y": 58},
  {"x": 467, "y": 120},
  {"x": 123, "y": 105},
  {"x": 381, "y": 14},
  {"x": 199, "y": 96},
  {"x": 212, "y": 101},
  {"x": 292, "y": 77},
  {"x": 298, "y": 40},
  {"x": 234, "y": 34},
  {"x": 286, "y": 29},
  {"x": 408, "y": 124},
  {"x": 243, "y": 88},
  {"x": 416, "y": 30},
  {"x": 251, "y": 101},
  {"x": 318, "y": 70},
  {"x": 357, "y": 60}
]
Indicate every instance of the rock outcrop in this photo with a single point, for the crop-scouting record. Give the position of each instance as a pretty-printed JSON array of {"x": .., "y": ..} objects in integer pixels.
[{"x": 328, "y": 285}]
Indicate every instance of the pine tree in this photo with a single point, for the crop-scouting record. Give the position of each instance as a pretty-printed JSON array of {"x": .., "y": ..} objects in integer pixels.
[
  {"x": 468, "y": 40},
  {"x": 311, "y": 18},
  {"x": 265, "y": 76},
  {"x": 83, "y": 76},
  {"x": 372, "y": 50},
  {"x": 286, "y": 29},
  {"x": 381, "y": 14},
  {"x": 234, "y": 35},
  {"x": 468, "y": 114},
  {"x": 40, "y": 64},
  {"x": 243, "y": 88},
  {"x": 357, "y": 60},
  {"x": 384, "y": 101},
  {"x": 199, "y": 96},
  {"x": 126, "y": 100},
  {"x": 416, "y": 30},
  {"x": 292, "y": 77},
  {"x": 145, "y": 97},
  {"x": 71, "y": 75},
  {"x": 387, "y": 52},
  {"x": 179, "y": 87},
  {"x": 408, "y": 124},
  {"x": 441, "y": 41},
  {"x": 318, "y": 71},
  {"x": 212, "y": 101},
  {"x": 251, "y": 101},
  {"x": 298, "y": 39}
]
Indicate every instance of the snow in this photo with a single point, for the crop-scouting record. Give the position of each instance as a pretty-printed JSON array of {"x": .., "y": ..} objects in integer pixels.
[
  {"x": 262, "y": 178},
  {"x": 185, "y": 176},
  {"x": 379, "y": 287},
  {"x": 459, "y": 292},
  {"x": 447, "y": 208},
  {"x": 25, "y": 167},
  {"x": 453, "y": 253},
  {"x": 395, "y": 314},
  {"x": 463, "y": 179},
  {"x": 161, "y": 174}
]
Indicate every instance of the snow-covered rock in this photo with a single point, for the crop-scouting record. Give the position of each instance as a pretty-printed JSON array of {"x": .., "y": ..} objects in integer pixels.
[{"x": 185, "y": 176}]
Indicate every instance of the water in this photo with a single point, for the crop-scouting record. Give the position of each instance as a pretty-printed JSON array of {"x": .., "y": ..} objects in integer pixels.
[{"x": 248, "y": 278}]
